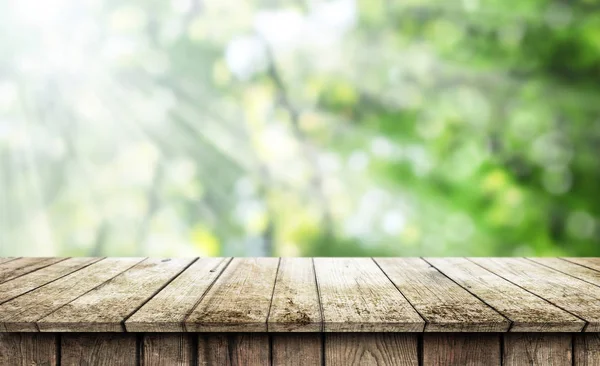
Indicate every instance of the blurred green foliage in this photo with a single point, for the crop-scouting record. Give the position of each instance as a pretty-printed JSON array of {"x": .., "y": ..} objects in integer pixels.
[{"x": 321, "y": 128}]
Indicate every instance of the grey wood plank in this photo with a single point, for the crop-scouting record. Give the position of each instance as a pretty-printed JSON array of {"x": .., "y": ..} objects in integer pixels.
[
  {"x": 297, "y": 349},
  {"x": 7, "y": 259},
  {"x": 236, "y": 349},
  {"x": 19, "y": 267},
  {"x": 356, "y": 296},
  {"x": 571, "y": 269},
  {"x": 239, "y": 300},
  {"x": 20, "y": 285},
  {"x": 538, "y": 349},
  {"x": 461, "y": 349},
  {"x": 571, "y": 294},
  {"x": 586, "y": 349},
  {"x": 168, "y": 349},
  {"x": 104, "y": 309},
  {"x": 98, "y": 349},
  {"x": 445, "y": 306},
  {"x": 529, "y": 313},
  {"x": 371, "y": 349},
  {"x": 21, "y": 349},
  {"x": 590, "y": 262},
  {"x": 167, "y": 310},
  {"x": 295, "y": 305},
  {"x": 21, "y": 313}
]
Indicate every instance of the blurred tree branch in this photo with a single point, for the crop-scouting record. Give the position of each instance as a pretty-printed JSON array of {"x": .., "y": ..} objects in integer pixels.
[
  {"x": 309, "y": 153},
  {"x": 152, "y": 205}
]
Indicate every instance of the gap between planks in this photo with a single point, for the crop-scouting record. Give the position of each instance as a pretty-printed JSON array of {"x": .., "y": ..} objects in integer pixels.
[{"x": 316, "y": 285}]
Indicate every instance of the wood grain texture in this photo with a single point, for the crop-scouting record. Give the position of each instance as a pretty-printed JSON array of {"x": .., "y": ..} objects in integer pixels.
[
  {"x": 240, "y": 349},
  {"x": 22, "y": 313},
  {"x": 586, "y": 349},
  {"x": 297, "y": 349},
  {"x": 571, "y": 294},
  {"x": 239, "y": 300},
  {"x": 168, "y": 349},
  {"x": 7, "y": 259},
  {"x": 19, "y": 267},
  {"x": 295, "y": 305},
  {"x": 455, "y": 349},
  {"x": 372, "y": 349},
  {"x": 167, "y": 310},
  {"x": 20, "y": 349},
  {"x": 445, "y": 306},
  {"x": 18, "y": 286},
  {"x": 522, "y": 349},
  {"x": 571, "y": 269},
  {"x": 529, "y": 313},
  {"x": 357, "y": 297},
  {"x": 105, "y": 308},
  {"x": 593, "y": 263},
  {"x": 98, "y": 349}
]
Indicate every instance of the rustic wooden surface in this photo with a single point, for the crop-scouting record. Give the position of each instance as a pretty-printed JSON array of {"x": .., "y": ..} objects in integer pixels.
[
  {"x": 168, "y": 349},
  {"x": 538, "y": 349},
  {"x": 239, "y": 300},
  {"x": 453, "y": 349},
  {"x": 306, "y": 349},
  {"x": 104, "y": 307},
  {"x": 300, "y": 295},
  {"x": 234, "y": 349},
  {"x": 18, "y": 286},
  {"x": 26, "y": 349},
  {"x": 527, "y": 312},
  {"x": 98, "y": 349},
  {"x": 7, "y": 259},
  {"x": 586, "y": 349},
  {"x": 445, "y": 306},
  {"x": 22, "y": 266},
  {"x": 593, "y": 263},
  {"x": 569, "y": 293},
  {"x": 371, "y": 349},
  {"x": 22, "y": 313},
  {"x": 167, "y": 311},
  {"x": 297, "y": 349},
  {"x": 295, "y": 304},
  {"x": 356, "y": 296},
  {"x": 570, "y": 269}
]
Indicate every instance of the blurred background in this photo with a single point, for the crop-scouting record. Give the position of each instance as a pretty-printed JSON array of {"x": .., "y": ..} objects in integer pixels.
[{"x": 299, "y": 127}]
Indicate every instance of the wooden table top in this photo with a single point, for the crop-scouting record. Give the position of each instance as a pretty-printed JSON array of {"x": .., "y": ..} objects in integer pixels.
[{"x": 300, "y": 294}]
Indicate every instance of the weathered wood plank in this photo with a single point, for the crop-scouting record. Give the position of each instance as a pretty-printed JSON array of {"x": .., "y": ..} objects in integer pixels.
[
  {"x": 295, "y": 305},
  {"x": 538, "y": 349},
  {"x": 168, "y": 349},
  {"x": 297, "y": 349},
  {"x": 356, "y": 296},
  {"x": 571, "y": 269},
  {"x": 106, "y": 307},
  {"x": 456, "y": 349},
  {"x": 445, "y": 306},
  {"x": 7, "y": 259},
  {"x": 586, "y": 349},
  {"x": 167, "y": 310},
  {"x": 19, "y": 349},
  {"x": 19, "y": 267},
  {"x": 593, "y": 263},
  {"x": 371, "y": 349},
  {"x": 239, "y": 349},
  {"x": 20, "y": 314},
  {"x": 529, "y": 313},
  {"x": 18, "y": 286},
  {"x": 239, "y": 300},
  {"x": 571, "y": 294},
  {"x": 98, "y": 349}
]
